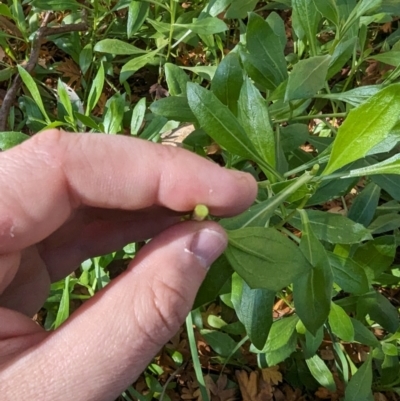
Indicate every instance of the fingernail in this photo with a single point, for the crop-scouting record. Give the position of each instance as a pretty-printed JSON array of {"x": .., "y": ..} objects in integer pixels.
[{"x": 207, "y": 245}]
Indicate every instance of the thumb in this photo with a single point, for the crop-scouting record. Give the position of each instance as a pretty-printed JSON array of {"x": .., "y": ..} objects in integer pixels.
[{"x": 111, "y": 339}]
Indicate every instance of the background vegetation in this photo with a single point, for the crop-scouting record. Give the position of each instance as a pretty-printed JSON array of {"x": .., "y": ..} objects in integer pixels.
[{"x": 303, "y": 95}]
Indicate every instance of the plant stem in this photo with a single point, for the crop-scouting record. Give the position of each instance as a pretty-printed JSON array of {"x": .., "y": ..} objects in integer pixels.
[
  {"x": 311, "y": 117},
  {"x": 171, "y": 28},
  {"x": 195, "y": 358}
]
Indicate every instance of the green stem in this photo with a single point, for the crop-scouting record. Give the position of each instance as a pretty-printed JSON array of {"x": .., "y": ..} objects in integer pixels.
[
  {"x": 171, "y": 29},
  {"x": 305, "y": 166},
  {"x": 195, "y": 358},
  {"x": 311, "y": 117},
  {"x": 290, "y": 235},
  {"x": 277, "y": 200}
]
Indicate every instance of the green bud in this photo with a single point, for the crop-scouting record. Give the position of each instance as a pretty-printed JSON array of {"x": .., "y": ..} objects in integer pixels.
[{"x": 200, "y": 213}]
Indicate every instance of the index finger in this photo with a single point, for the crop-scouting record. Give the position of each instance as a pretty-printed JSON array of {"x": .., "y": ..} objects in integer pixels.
[{"x": 47, "y": 177}]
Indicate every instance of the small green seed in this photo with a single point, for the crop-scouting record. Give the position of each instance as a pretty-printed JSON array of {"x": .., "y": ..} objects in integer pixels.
[{"x": 200, "y": 213}]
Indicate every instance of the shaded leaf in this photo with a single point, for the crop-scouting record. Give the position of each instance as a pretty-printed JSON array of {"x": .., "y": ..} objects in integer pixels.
[
  {"x": 227, "y": 81},
  {"x": 255, "y": 252},
  {"x": 254, "y": 310},
  {"x": 333, "y": 228}
]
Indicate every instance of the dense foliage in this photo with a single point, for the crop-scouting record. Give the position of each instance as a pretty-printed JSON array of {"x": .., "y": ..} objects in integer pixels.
[{"x": 303, "y": 95}]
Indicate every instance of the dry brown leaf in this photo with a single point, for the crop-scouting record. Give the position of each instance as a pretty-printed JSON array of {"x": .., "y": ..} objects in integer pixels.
[
  {"x": 272, "y": 375},
  {"x": 158, "y": 90},
  {"x": 71, "y": 71},
  {"x": 2, "y": 54},
  {"x": 253, "y": 388},
  {"x": 218, "y": 390}
]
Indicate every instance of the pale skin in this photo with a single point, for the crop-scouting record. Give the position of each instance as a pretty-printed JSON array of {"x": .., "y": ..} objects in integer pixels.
[{"x": 68, "y": 197}]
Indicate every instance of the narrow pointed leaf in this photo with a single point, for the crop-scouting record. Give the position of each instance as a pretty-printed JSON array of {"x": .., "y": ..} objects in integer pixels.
[
  {"x": 219, "y": 122},
  {"x": 227, "y": 81},
  {"x": 340, "y": 323},
  {"x": 265, "y": 45},
  {"x": 254, "y": 310},
  {"x": 33, "y": 89},
  {"x": 307, "y": 78},
  {"x": 254, "y": 118},
  {"x": 334, "y": 228},
  {"x": 364, "y": 206},
  {"x": 312, "y": 290},
  {"x": 321, "y": 372},
  {"x": 359, "y": 387}
]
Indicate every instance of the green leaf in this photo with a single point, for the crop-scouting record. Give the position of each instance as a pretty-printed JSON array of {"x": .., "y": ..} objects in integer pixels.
[
  {"x": 365, "y": 127},
  {"x": 377, "y": 255},
  {"x": 312, "y": 342},
  {"x": 87, "y": 121},
  {"x": 385, "y": 223},
  {"x": 278, "y": 26},
  {"x": 95, "y": 90},
  {"x": 359, "y": 387},
  {"x": 254, "y": 310},
  {"x": 221, "y": 343},
  {"x": 364, "y": 206},
  {"x": 115, "y": 114},
  {"x": 138, "y": 116},
  {"x": 254, "y": 118},
  {"x": 281, "y": 342},
  {"x": 307, "y": 78},
  {"x": 86, "y": 58},
  {"x": 389, "y": 166},
  {"x": 33, "y": 89},
  {"x": 219, "y": 273},
  {"x": 256, "y": 263},
  {"x": 206, "y": 26},
  {"x": 355, "y": 96},
  {"x": 379, "y": 309},
  {"x": 305, "y": 17},
  {"x": 391, "y": 58},
  {"x": 363, "y": 335},
  {"x": 312, "y": 291},
  {"x": 389, "y": 349},
  {"x": 6, "y": 73},
  {"x": 341, "y": 55},
  {"x": 176, "y": 79},
  {"x": 9, "y": 139},
  {"x": 321, "y": 373},
  {"x": 292, "y": 136},
  {"x": 240, "y": 8},
  {"x": 129, "y": 68},
  {"x": 137, "y": 14},
  {"x": 329, "y": 10},
  {"x": 227, "y": 81},
  {"x": 348, "y": 274},
  {"x": 257, "y": 71},
  {"x": 56, "y": 5},
  {"x": 340, "y": 323},
  {"x": 219, "y": 122},
  {"x": 64, "y": 98},
  {"x": 266, "y": 51},
  {"x": 174, "y": 108},
  {"x": 333, "y": 228},
  {"x": 116, "y": 46},
  {"x": 204, "y": 71},
  {"x": 152, "y": 130},
  {"x": 4, "y": 10}
]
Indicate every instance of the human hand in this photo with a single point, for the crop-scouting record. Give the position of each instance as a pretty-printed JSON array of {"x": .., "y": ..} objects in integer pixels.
[{"x": 68, "y": 197}]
